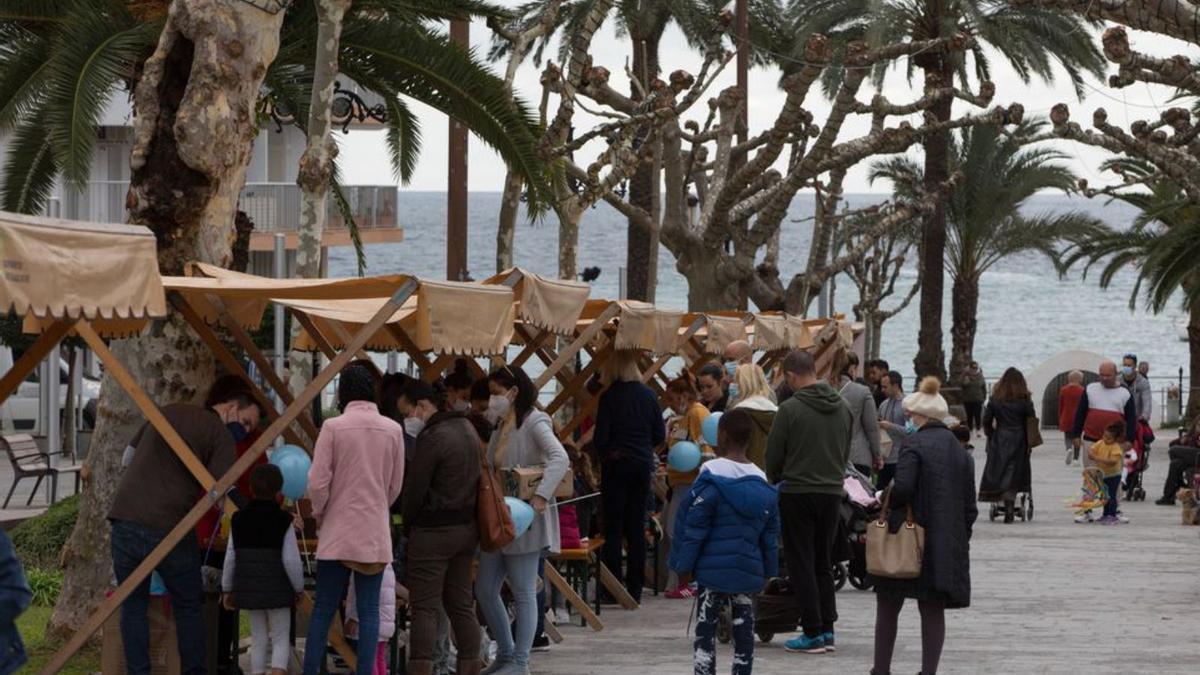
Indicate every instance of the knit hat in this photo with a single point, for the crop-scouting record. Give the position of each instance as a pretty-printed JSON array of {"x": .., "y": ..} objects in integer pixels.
[
  {"x": 355, "y": 383},
  {"x": 926, "y": 401}
]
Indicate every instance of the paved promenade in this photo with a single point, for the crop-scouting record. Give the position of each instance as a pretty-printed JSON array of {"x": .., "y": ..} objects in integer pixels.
[{"x": 1049, "y": 597}]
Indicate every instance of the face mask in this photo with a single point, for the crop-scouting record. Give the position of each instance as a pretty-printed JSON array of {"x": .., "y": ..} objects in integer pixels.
[
  {"x": 910, "y": 427},
  {"x": 1128, "y": 371},
  {"x": 237, "y": 430},
  {"x": 497, "y": 408},
  {"x": 731, "y": 368},
  {"x": 461, "y": 406},
  {"x": 413, "y": 425},
  {"x": 733, "y": 391}
]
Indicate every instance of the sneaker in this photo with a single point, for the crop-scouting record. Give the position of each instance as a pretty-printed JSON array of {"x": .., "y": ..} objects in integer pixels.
[
  {"x": 1085, "y": 517},
  {"x": 684, "y": 592},
  {"x": 1122, "y": 518},
  {"x": 1070, "y": 456},
  {"x": 827, "y": 638},
  {"x": 805, "y": 645},
  {"x": 496, "y": 667},
  {"x": 1108, "y": 520},
  {"x": 541, "y": 643},
  {"x": 1165, "y": 501},
  {"x": 562, "y": 617}
]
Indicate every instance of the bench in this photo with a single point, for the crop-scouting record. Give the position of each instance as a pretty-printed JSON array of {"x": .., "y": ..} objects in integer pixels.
[
  {"x": 28, "y": 461},
  {"x": 584, "y": 564}
]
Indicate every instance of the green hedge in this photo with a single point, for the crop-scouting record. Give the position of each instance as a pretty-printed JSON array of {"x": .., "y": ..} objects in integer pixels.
[{"x": 39, "y": 541}]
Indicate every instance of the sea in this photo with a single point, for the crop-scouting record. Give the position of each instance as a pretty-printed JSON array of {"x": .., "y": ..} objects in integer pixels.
[{"x": 1027, "y": 312}]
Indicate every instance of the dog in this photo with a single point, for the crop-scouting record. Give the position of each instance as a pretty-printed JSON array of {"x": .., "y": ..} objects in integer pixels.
[{"x": 1190, "y": 510}]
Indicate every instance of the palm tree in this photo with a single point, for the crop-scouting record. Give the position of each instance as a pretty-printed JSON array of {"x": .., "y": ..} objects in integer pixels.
[
  {"x": 1030, "y": 38},
  {"x": 1162, "y": 247},
  {"x": 984, "y": 220},
  {"x": 62, "y": 62}
]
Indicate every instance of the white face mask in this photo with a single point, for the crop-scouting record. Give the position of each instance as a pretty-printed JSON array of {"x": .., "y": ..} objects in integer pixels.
[
  {"x": 461, "y": 406},
  {"x": 413, "y": 425},
  {"x": 497, "y": 408}
]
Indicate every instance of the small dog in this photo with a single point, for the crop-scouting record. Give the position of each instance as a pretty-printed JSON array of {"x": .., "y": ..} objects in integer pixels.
[{"x": 1190, "y": 510}]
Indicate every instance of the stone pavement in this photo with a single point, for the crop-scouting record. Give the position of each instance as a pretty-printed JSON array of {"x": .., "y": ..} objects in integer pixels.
[{"x": 1049, "y": 596}]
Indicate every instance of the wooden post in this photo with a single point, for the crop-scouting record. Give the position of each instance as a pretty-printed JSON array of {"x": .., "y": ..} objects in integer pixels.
[
  {"x": 572, "y": 597},
  {"x": 456, "y": 179},
  {"x": 33, "y": 356},
  {"x": 223, "y": 484}
]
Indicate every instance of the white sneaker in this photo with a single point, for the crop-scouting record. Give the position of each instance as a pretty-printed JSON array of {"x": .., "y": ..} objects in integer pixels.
[
  {"x": 1122, "y": 517},
  {"x": 562, "y": 617},
  {"x": 1084, "y": 518}
]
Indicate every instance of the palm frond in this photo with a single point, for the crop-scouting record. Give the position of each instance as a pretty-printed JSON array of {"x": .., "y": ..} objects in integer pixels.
[{"x": 29, "y": 171}]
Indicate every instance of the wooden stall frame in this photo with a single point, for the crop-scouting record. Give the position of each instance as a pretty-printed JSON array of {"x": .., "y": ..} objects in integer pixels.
[{"x": 222, "y": 485}]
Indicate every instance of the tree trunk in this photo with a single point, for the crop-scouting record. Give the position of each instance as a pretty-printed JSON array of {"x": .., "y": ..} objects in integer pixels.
[
  {"x": 510, "y": 207},
  {"x": 316, "y": 164},
  {"x": 1193, "y": 389},
  {"x": 707, "y": 290},
  {"x": 642, "y": 245},
  {"x": 568, "y": 241},
  {"x": 876, "y": 344},
  {"x": 938, "y": 72},
  {"x": 193, "y": 136},
  {"x": 964, "y": 313}
]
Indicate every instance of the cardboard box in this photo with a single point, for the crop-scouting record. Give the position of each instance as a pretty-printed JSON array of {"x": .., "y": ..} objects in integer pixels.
[
  {"x": 523, "y": 481},
  {"x": 164, "y": 646}
]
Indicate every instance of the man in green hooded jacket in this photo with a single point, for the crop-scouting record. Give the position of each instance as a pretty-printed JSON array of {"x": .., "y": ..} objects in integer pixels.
[{"x": 807, "y": 452}]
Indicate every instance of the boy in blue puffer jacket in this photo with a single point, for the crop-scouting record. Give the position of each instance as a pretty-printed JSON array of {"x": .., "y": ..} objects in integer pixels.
[{"x": 727, "y": 538}]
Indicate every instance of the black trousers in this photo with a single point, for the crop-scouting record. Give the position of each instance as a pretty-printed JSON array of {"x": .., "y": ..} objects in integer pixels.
[
  {"x": 1184, "y": 460},
  {"x": 809, "y": 527},
  {"x": 974, "y": 415},
  {"x": 624, "y": 489}
]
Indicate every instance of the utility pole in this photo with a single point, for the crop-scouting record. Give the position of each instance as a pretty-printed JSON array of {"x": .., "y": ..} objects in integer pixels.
[{"x": 456, "y": 188}]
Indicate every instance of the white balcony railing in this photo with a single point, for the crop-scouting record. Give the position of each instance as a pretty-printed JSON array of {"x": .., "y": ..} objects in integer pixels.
[{"x": 274, "y": 207}]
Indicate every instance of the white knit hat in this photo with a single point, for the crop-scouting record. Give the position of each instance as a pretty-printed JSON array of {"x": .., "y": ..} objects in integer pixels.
[{"x": 926, "y": 401}]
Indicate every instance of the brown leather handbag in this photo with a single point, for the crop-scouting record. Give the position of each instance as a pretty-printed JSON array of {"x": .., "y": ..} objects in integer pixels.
[
  {"x": 1033, "y": 432},
  {"x": 496, "y": 529},
  {"x": 895, "y": 555}
]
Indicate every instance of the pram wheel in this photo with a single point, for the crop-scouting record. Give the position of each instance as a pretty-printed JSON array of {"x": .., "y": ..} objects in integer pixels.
[
  {"x": 1027, "y": 507},
  {"x": 839, "y": 576},
  {"x": 1139, "y": 495},
  {"x": 858, "y": 582},
  {"x": 993, "y": 512},
  {"x": 764, "y": 637},
  {"x": 725, "y": 627}
]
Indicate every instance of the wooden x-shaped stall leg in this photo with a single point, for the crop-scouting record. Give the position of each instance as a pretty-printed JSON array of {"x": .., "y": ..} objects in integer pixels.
[
  {"x": 233, "y": 365},
  {"x": 222, "y": 485},
  {"x": 33, "y": 356}
]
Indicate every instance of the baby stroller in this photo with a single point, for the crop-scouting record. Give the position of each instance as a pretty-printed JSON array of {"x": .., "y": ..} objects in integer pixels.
[
  {"x": 1137, "y": 460},
  {"x": 859, "y": 508}
]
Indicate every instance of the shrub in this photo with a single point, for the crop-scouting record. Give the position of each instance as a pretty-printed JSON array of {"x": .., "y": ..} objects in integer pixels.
[
  {"x": 39, "y": 541},
  {"x": 45, "y": 584}
]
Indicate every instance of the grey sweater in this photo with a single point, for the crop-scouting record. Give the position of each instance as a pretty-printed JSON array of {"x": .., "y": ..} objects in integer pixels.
[
  {"x": 864, "y": 439},
  {"x": 534, "y": 444}
]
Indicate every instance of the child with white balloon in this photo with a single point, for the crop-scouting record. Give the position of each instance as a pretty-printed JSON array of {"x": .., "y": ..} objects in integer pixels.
[{"x": 686, "y": 450}]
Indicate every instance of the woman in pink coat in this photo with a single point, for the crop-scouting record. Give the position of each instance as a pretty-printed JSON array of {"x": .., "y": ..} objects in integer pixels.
[{"x": 357, "y": 472}]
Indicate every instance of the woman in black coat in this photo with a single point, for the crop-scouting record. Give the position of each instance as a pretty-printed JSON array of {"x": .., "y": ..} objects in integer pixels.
[
  {"x": 1006, "y": 424},
  {"x": 936, "y": 477}
]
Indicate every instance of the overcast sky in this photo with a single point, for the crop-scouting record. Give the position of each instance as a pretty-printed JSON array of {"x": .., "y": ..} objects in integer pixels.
[{"x": 365, "y": 158}]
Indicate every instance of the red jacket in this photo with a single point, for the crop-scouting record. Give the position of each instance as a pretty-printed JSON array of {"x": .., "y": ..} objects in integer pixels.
[
  {"x": 1068, "y": 403},
  {"x": 568, "y": 527}
]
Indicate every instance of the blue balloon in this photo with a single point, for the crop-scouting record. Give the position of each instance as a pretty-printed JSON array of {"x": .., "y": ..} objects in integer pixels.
[
  {"x": 709, "y": 427},
  {"x": 522, "y": 514},
  {"x": 294, "y": 467},
  {"x": 287, "y": 449},
  {"x": 684, "y": 456}
]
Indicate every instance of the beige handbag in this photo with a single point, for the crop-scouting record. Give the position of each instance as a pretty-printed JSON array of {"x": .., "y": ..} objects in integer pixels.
[{"x": 895, "y": 555}]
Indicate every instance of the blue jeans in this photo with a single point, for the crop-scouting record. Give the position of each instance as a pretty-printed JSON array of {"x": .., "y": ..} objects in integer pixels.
[
  {"x": 332, "y": 579},
  {"x": 1112, "y": 485},
  {"x": 522, "y": 574},
  {"x": 708, "y": 614},
  {"x": 180, "y": 571}
]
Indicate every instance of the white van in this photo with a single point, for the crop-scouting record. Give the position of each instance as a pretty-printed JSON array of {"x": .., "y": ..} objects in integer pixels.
[{"x": 22, "y": 407}]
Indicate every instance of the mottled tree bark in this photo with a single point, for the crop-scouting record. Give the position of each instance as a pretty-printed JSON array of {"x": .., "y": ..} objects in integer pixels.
[
  {"x": 193, "y": 135},
  {"x": 316, "y": 164},
  {"x": 510, "y": 207}
]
